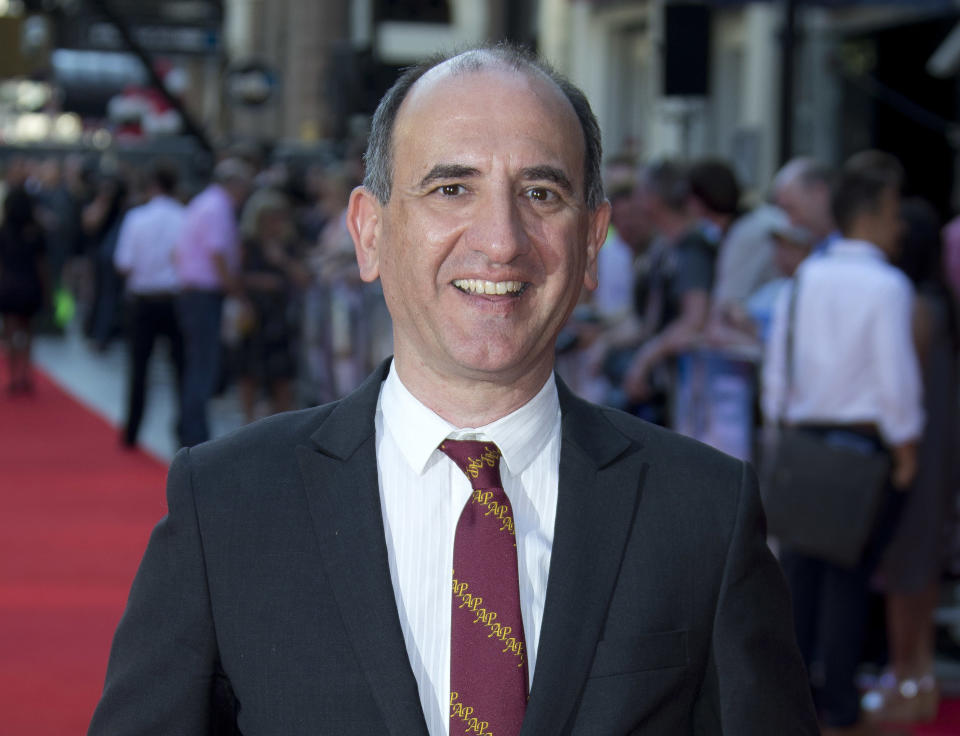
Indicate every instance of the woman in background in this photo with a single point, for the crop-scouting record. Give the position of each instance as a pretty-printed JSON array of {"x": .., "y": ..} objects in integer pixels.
[
  {"x": 911, "y": 569},
  {"x": 272, "y": 274},
  {"x": 22, "y": 284}
]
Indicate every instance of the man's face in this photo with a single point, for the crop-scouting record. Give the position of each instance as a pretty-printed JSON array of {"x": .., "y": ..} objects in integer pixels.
[
  {"x": 649, "y": 206},
  {"x": 629, "y": 220},
  {"x": 486, "y": 241}
]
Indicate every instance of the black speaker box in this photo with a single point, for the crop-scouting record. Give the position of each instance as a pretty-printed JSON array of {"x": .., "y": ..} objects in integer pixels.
[{"x": 687, "y": 50}]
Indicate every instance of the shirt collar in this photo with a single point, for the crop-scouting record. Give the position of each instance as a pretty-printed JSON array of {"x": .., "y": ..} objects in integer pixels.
[
  {"x": 847, "y": 246},
  {"x": 418, "y": 430},
  {"x": 826, "y": 243},
  {"x": 162, "y": 200}
]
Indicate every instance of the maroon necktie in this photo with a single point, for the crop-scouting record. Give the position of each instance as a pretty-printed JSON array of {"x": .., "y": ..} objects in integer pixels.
[{"x": 488, "y": 656}]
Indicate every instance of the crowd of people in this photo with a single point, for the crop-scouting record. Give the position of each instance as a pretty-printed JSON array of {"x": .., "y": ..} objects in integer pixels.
[
  {"x": 873, "y": 364},
  {"x": 247, "y": 276},
  {"x": 253, "y": 279}
]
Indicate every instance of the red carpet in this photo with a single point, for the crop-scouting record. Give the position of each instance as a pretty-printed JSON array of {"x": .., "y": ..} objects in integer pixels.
[
  {"x": 947, "y": 724},
  {"x": 75, "y": 515}
]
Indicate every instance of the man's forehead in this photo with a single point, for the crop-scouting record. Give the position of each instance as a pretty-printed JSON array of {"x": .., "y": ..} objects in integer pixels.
[{"x": 446, "y": 79}]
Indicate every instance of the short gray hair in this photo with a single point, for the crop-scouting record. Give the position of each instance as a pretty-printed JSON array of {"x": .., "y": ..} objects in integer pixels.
[
  {"x": 379, "y": 155},
  {"x": 232, "y": 170},
  {"x": 806, "y": 171}
]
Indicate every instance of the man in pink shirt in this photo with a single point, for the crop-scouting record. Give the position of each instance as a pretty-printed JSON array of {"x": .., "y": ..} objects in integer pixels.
[{"x": 207, "y": 258}]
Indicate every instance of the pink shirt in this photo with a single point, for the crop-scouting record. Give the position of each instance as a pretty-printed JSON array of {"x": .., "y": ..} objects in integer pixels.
[
  {"x": 951, "y": 254},
  {"x": 210, "y": 227}
]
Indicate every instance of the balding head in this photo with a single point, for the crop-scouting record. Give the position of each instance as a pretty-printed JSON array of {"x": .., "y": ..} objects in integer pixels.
[{"x": 379, "y": 155}]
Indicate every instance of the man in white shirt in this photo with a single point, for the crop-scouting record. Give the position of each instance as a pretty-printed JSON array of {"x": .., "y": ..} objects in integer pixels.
[
  {"x": 301, "y": 582},
  {"x": 144, "y": 255},
  {"x": 856, "y": 379}
]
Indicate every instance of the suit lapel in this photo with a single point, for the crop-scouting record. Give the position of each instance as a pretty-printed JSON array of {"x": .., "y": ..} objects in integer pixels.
[
  {"x": 601, "y": 474},
  {"x": 340, "y": 476}
]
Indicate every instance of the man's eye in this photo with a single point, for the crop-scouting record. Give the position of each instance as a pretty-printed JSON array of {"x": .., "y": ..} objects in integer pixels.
[
  {"x": 451, "y": 190},
  {"x": 540, "y": 194}
]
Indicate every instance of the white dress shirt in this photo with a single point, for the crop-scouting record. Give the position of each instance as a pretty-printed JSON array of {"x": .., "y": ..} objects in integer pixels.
[
  {"x": 854, "y": 357},
  {"x": 145, "y": 246},
  {"x": 422, "y": 493}
]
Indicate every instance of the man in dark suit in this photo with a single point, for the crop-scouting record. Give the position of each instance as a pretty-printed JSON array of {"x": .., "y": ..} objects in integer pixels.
[{"x": 301, "y": 581}]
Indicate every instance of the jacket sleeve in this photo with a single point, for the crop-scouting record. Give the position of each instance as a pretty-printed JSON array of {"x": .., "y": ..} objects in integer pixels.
[
  {"x": 163, "y": 661},
  {"x": 756, "y": 683}
]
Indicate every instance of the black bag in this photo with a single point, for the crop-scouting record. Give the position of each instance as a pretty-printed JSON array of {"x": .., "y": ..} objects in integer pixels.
[
  {"x": 822, "y": 499},
  {"x": 819, "y": 497}
]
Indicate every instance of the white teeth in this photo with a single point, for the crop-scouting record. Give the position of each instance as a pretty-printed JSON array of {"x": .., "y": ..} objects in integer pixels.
[{"x": 479, "y": 286}]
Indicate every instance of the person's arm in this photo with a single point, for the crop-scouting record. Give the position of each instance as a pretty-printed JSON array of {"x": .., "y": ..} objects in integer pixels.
[
  {"x": 904, "y": 465},
  {"x": 773, "y": 382},
  {"x": 756, "y": 683},
  {"x": 232, "y": 284},
  {"x": 123, "y": 254},
  {"x": 677, "y": 336},
  {"x": 164, "y": 658},
  {"x": 899, "y": 387},
  {"x": 905, "y": 455}
]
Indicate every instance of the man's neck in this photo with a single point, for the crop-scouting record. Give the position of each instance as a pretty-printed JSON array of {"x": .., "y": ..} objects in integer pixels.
[
  {"x": 469, "y": 402},
  {"x": 866, "y": 231}
]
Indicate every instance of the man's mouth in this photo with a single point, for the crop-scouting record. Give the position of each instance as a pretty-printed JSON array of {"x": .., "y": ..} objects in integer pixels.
[{"x": 491, "y": 288}]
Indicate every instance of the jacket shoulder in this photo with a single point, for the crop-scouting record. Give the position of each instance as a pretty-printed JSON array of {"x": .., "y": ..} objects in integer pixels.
[{"x": 262, "y": 442}]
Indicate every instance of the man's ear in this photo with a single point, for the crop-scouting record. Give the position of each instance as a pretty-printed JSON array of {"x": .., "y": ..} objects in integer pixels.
[
  {"x": 596, "y": 236},
  {"x": 363, "y": 222}
]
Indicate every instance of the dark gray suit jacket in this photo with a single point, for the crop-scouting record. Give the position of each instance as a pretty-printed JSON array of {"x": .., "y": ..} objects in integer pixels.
[{"x": 268, "y": 581}]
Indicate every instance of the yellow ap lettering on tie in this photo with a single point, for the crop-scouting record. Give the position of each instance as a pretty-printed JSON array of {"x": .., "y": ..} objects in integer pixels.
[{"x": 465, "y": 714}]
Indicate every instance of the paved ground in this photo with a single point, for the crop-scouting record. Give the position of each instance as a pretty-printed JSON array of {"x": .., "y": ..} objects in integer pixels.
[{"x": 99, "y": 380}]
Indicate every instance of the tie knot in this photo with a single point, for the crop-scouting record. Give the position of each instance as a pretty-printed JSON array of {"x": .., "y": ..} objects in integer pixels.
[{"x": 480, "y": 461}]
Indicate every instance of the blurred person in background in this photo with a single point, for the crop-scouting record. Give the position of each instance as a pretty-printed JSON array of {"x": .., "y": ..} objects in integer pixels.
[
  {"x": 628, "y": 238},
  {"x": 271, "y": 275},
  {"x": 913, "y": 563},
  {"x": 802, "y": 189},
  {"x": 747, "y": 321},
  {"x": 855, "y": 381},
  {"x": 676, "y": 304},
  {"x": 101, "y": 220},
  {"x": 77, "y": 273},
  {"x": 337, "y": 329},
  {"x": 59, "y": 213},
  {"x": 144, "y": 256},
  {"x": 791, "y": 247},
  {"x": 312, "y": 216},
  {"x": 745, "y": 262},
  {"x": 603, "y": 330},
  {"x": 714, "y": 199},
  {"x": 207, "y": 257},
  {"x": 951, "y": 256},
  {"x": 23, "y": 283}
]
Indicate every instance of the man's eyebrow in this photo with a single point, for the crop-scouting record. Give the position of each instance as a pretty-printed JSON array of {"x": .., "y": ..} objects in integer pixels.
[
  {"x": 448, "y": 171},
  {"x": 548, "y": 173}
]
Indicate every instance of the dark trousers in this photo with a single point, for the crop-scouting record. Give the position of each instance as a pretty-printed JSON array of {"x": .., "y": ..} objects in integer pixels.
[
  {"x": 198, "y": 314},
  {"x": 830, "y": 607},
  {"x": 150, "y": 317}
]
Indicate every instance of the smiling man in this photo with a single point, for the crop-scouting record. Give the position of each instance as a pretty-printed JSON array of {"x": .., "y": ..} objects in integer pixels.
[{"x": 462, "y": 546}]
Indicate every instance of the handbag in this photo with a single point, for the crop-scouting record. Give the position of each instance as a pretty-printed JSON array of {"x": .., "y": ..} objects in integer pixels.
[{"x": 820, "y": 498}]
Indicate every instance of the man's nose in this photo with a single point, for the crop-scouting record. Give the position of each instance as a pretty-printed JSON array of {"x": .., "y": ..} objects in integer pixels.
[{"x": 498, "y": 231}]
